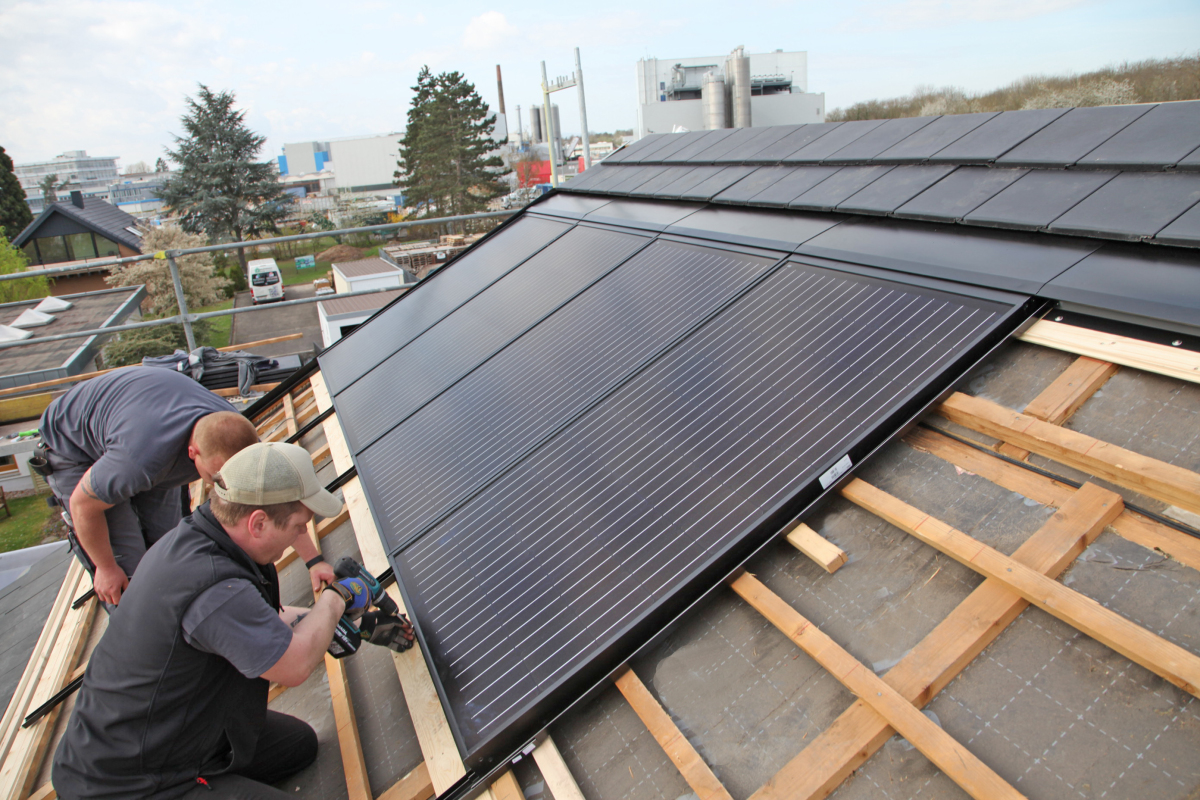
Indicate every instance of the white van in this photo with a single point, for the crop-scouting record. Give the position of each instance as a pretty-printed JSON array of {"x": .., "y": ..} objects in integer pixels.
[{"x": 266, "y": 282}]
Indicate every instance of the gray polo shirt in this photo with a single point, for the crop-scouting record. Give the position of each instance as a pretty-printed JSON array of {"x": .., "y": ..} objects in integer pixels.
[{"x": 132, "y": 426}]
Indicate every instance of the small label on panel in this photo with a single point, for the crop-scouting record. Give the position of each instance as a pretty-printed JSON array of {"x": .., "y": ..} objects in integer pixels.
[{"x": 836, "y": 471}]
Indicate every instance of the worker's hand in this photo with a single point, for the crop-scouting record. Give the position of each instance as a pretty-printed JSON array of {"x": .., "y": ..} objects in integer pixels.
[
  {"x": 321, "y": 575},
  {"x": 349, "y": 568},
  {"x": 356, "y": 592},
  {"x": 109, "y": 583},
  {"x": 393, "y": 631}
]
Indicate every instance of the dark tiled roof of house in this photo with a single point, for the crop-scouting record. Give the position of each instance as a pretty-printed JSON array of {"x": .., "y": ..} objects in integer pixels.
[{"x": 96, "y": 215}]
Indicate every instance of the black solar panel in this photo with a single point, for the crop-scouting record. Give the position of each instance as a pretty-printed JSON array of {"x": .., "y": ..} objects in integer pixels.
[
  {"x": 441, "y": 355},
  {"x": 792, "y": 185},
  {"x": 634, "y": 149},
  {"x": 611, "y": 176},
  {"x": 1191, "y": 161},
  {"x": 567, "y": 205},
  {"x": 642, "y": 214},
  {"x": 676, "y": 142},
  {"x": 879, "y": 139},
  {"x": 549, "y": 575},
  {"x": 1005, "y": 260},
  {"x": 754, "y": 228},
  {"x": 894, "y": 189},
  {"x": 719, "y": 182},
  {"x": 791, "y": 143},
  {"x": 1166, "y": 134},
  {"x": 959, "y": 193},
  {"x": 583, "y": 180},
  {"x": 438, "y": 295},
  {"x": 637, "y": 177},
  {"x": 833, "y": 140},
  {"x": 826, "y": 195},
  {"x": 690, "y": 177},
  {"x": 1071, "y": 137},
  {"x": 731, "y": 138},
  {"x": 1184, "y": 231},
  {"x": 752, "y": 184},
  {"x": 935, "y": 136},
  {"x": 526, "y": 391},
  {"x": 1038, "y": 199},
  {"x": 665, "y": 178},
  {"x": 747, "y": 149},
  {"x": 1156, "y": 283},
  {"x": 661, "y": 141},
  {"x": 997, "y": 136},
  {"x": 708, "y": 140},
  {"x": 1132, "y": 205}
]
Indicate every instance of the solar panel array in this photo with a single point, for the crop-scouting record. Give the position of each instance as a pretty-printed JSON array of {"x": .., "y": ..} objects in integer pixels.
[
  {"x": 599, "y": 410},
  {"x": 1026, "y": 170}
]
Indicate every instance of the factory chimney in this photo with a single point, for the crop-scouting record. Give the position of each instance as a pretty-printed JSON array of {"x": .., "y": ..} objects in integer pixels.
[{"x": 500, "y": 89}]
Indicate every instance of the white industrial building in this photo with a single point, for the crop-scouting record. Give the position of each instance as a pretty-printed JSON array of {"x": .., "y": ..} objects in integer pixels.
[
  {"x": 358, "y": 164},
  {"x": 735, "y": 91},
  {"x": 90, "y": 175}
]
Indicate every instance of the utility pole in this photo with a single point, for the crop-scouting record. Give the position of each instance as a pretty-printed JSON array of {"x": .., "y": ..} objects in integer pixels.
[
  {"x": 587, "y": 148},
  {"x": 548, "y": 124}
]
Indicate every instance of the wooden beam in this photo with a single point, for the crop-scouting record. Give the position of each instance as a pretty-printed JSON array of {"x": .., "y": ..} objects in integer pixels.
[
  {"x": 86, "y": 375},
  {"x": 827, "y": 554},
  {"x": 358, "y": 787},
  {"x": 1169, "y": 661},
  {"x": 28, "y": 748},
  {"x": 926, "y": 669},
  {"x": 413, "y": 786},
  {"x": 14, "y": 409},
  {"x": 704, "y": 783},
  {"x": 1173, "y": 361},
  {"x": 233, "y": 391},
  {"x": 556, "y": 772},
  {"x": 1062, "y": 398},
  {"x": 506, "y": 787},
  {"x": 957, "y": 762},
  {"x": 1143, "y": 474},
  {"x": 45, "y": 793},
  {"x": 425, "y": 708},
  {"x": 1047, "y": 491}
]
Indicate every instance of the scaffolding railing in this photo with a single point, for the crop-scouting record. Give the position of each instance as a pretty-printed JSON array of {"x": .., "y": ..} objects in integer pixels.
[{"x": 187, "y": 318}]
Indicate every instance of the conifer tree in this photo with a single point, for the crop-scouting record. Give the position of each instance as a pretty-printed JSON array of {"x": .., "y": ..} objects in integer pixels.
[
  {"x": 444, "y": 156},
  {"x": 14, "y": 211},
  {"x": 220, "y": 189}
]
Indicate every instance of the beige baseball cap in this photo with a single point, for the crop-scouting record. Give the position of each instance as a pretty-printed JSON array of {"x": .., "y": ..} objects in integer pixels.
[{"x": 269, "y": 473}]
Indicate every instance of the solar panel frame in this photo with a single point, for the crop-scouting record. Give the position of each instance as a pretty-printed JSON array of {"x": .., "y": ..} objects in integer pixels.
[
  {"x": 894, "y": 188},
  {"x": 1037, "y": 199},
  {"x": 522, "y": 723},
  {"x": 959, "y": 193},
  {"x": 1072, "y": 136},
  {"x": 937, "y": 135},
  {"x": 438, "y": 295},
  {"x": 997, "y": 136},
  {"x": 1132, "y": 206}
]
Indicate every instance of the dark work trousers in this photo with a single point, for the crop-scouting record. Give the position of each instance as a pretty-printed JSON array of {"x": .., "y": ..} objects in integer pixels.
[
  {"x": 287, "y": 745},
  {"x": 133, "y": 524}
]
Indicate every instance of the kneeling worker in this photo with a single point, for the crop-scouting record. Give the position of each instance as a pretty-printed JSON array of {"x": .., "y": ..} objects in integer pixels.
[
  {"x": 174, "y": 700},
  {"x": 119, "y": 448}
]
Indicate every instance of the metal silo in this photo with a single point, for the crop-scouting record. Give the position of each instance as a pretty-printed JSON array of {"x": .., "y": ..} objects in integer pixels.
[{"x": 712, "y": 98}]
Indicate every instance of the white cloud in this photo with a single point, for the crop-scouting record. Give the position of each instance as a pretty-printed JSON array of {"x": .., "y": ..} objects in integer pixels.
[{"x": 487, "y": 30}]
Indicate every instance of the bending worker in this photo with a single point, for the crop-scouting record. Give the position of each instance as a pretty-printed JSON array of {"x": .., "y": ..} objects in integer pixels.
[
  {"x": 174, "y": 700},
  {"x": 120, "y": 447}
]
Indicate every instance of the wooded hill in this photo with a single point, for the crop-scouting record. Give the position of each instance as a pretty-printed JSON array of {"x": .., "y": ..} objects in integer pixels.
[{"x": 1150, "y": 81}]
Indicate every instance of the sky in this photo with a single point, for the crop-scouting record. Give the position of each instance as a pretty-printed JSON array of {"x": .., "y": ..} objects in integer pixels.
[{"x": 111, "y": 76}]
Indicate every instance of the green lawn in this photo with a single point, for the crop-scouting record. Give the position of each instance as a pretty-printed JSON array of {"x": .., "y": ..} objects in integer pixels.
[
  {"x": 292, "y": 276},
  {"x": 221, "y": 326},
  {"x": 29, "y": 515}
]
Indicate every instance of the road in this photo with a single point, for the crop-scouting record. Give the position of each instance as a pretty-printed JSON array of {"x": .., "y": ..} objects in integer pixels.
[{"x": 268, "y": 322}]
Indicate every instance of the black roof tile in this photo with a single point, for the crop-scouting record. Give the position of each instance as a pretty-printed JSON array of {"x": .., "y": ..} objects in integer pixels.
[
  {"x": 1133, "y": 205},
  {"x": 997, "y": 136},
  {"x": 935, "y": 136},
  {"x": 1072, "y": 136},
  {"x": 894, "y": 189},
  {"x": 959, "y": 193},
  {"x": 835, "y": 189},
  {"x": 1038, "y": 198},
  {"x": 1161, "y": 137}
]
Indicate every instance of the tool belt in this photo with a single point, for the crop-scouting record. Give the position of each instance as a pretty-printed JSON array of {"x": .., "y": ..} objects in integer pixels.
[{"x": 39, "y": 463}]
